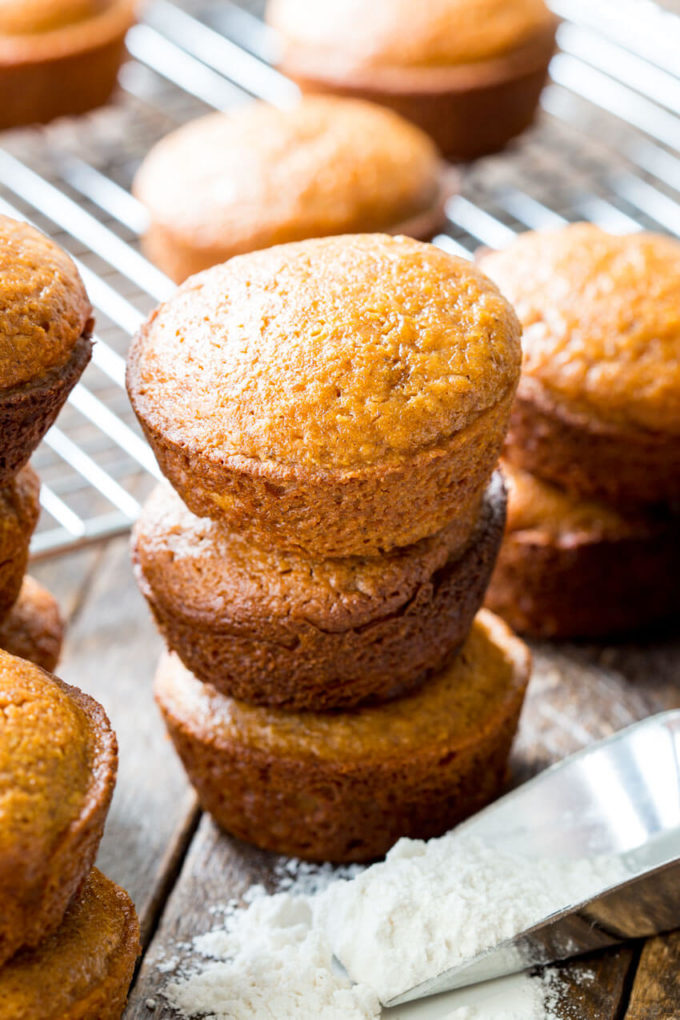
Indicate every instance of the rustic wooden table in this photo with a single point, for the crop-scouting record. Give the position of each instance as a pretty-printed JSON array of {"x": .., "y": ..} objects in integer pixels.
[{"x": 176, "y": 864}]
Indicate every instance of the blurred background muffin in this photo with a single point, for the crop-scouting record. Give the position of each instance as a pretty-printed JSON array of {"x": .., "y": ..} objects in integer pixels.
[
  {"x": 469, "y": 72},
  {"x": 59, "y": 57},
  {"x": 229, "y": 183}
]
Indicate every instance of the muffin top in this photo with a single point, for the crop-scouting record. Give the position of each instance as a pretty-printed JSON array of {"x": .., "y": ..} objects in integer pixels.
[
  {"x": 601, "y": 321},
  {"x": 457, "y": 706},
  {"x": 338, "y": 353},
  {"x": 538, "y": 506},
  {"x": 24, "y": 17},
  {"x": 351, "y": 34},
  {"x": 204, "y": 570},
  {"x": 55, "y": 750},
  {"x": 33, "y": 629},
  {"x": 266, "y": 176},
  {"x": 44, "y": 304},
  {"x": 73, "y": 972}
]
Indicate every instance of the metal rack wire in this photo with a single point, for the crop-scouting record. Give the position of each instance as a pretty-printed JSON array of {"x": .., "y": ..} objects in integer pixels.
[{"x": 606, "y": 148}]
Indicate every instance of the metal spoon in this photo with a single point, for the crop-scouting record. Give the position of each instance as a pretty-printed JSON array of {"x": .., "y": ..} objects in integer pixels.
[{"x": 621, "y": 797}]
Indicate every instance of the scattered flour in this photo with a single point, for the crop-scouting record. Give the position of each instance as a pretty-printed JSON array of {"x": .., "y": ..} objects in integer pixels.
[
  {"x": 272, "y": 965},
  {"x": 426, "y": 907},
  {"x": 433, "y": 905}
]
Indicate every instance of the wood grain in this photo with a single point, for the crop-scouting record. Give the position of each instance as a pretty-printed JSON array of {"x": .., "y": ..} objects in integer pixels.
[{"x": 656, "y": 990}]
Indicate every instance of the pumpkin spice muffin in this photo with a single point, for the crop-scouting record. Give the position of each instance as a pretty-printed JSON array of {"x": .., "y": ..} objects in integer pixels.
[
  {"x": 280, "y": 629},
  {"x": 344, "y": 786},
  {"x": 57, "y": 771},
  {"x": 469, "y": 72},
  {"x": 59, "y": 57},
  {"x": 84, "y": 969},
  {"x": 266, "y": 176},
  {"x": 45, "y": 341},
  {"x": 578, "y": 568},
  {"x": 33, "y": 629},
  {"x": 341, "y": 396},
  {"x": 19, "y": 511},
  {"x": 598, "y": 405}
]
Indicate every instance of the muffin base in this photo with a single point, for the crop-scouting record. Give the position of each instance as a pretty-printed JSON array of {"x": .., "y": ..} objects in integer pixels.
[
  {"x": 588, "y": 458},
  {"x": 29, "y": 915},
  {"x": 296, "y": 664},
  {"x": 469, "y": 111},
  {"x": 19, "y": 510},
  {"x": 33, "y": 629},
  {"x": 84, "y": 969},
  {"x": 584, "y": 586},
  {"x": 344, "y": 808},
  {"x": 79, "y": 75},
  {"x": 28, "y": 411},
  {"x": 361, "y": 512}
]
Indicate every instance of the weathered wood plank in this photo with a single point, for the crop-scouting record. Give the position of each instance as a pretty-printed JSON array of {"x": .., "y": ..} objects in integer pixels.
[
  {"x": 655, "y": 994},
  {"x": 111, "y": 652}
]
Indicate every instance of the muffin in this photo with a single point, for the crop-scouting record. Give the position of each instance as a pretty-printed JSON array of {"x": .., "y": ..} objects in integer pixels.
[
  {"x": 267, "y": 176},
  {"x": 84, "y": 969},
  {"x": 339, "y": 396},
  {"x": 57, "y": 771},
  {"x": 578, "y": 568},
  {"x": 344, "y": 786},
  {"x": 598, "y": 405},
  {"x": 19, "y": 511},
  {"x": 44, "y": 337},
  {"x": 33, "y": 629},
  {"x": 276, "y": 628},
  {"x": 59, "y": 57},
  {"x": 469, "y": 72}
]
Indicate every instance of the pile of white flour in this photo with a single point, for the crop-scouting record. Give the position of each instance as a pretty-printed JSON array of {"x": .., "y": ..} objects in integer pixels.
[{"x": 428, "y": 906}]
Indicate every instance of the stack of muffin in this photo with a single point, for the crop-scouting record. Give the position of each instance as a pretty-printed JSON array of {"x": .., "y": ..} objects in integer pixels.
[
  {"x": 69, "y": 937},
  {"x": 44, "y": 347},
  {"x": 330, "y": 414},
  {"x": 593, "y": 452}
]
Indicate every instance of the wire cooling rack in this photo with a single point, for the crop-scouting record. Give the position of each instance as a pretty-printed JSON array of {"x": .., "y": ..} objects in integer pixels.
[{"x": 606, "y": 148}]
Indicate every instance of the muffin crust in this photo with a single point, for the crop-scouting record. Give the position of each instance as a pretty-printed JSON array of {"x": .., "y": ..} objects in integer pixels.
[
  {"x": 281, "y": 629},
  {"x": 57, "y": 771},
  {"x": 311, "y": 384},
  {"x": 579, "y": 568},
  {"x": 84, "y": 969},
  {"x": 598, "y": 405},
  {"x": 44, "y": 338},
  {"x": 33, "y": 629},
  {"x": 19, "y": 510},
  {"x": 345, "y": 786},
  {"x": 268, "y": 176}
]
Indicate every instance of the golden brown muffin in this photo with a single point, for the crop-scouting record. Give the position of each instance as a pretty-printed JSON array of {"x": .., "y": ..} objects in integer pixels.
[
  {"x": 57, "y": 772},
  {"x": 267, "y": 176},
  {"x": 59, "y": 57},
  {"x": 19, "y": 511},
  {"x": 84, "y": 969},
  {"x": 45, "y": 334},
  {"x": 343, "y": 786},
  {"x": 578, "y": 568},
  {"x": 33, "y": 629},
  {"x": 598, "y": 405},
  {"x": 469, "y": 72},
  {"x": 341, "y": 396},
  {"x": 281, "y": 629}
]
